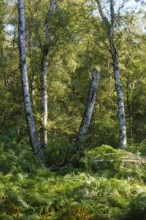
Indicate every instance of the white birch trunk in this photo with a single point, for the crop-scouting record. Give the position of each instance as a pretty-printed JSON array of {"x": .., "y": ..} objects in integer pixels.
[
  {"x": 89, "y": 110},
  {"x": 24, "y": 79},
  {"x": 44, "y": 71},
  {"x": 121, "y": 110}
]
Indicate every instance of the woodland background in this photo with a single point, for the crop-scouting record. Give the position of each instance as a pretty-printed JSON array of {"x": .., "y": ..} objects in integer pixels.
[{"x": 103, "y": 182}]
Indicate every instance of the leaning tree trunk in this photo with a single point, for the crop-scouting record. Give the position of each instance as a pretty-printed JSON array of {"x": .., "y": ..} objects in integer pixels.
[
  {"x": 25, "y": 85},
  {"x": 116, "y": 68},
  {"x": 121, "y": 110},
  {"x": 88, "y": 111},
  {"x": 44, "y": 71},
  {"x": 109, "y": 25}
]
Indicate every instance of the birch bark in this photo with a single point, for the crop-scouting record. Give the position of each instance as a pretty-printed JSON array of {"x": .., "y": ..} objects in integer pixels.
[
  {"x": 44, "y": 71},
  {"x": 110, "y": 34},
  {"x": 25, "y": 85},
  {"x": 89, "y": 110}
]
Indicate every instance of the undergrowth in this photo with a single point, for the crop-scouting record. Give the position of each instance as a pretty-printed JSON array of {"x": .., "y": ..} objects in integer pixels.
[{"x": 110, "y": 185}]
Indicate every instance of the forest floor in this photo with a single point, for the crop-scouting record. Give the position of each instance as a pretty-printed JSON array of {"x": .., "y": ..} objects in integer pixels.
[{"x": 109, "y": 184}]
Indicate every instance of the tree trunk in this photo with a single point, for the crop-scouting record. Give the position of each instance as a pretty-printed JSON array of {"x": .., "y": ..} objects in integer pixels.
[
  {"x": 44, "y": 71},
  {"x": 110, "y": 34},
  {"x": 24, "y": 79},
  {"x": 88, "y": 111},
  {"x": 121, "y": 109}
]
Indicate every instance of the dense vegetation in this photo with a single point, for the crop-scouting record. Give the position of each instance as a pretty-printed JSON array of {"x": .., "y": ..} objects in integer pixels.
[
  {"x": 110, "y": 184},
  {"x": 98, "y": 181}
]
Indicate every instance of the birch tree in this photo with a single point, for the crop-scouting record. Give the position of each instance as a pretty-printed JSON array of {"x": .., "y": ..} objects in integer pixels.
[
  {"x": 25, "y": 85},
  {"x": 44, "y": 72},
  {"x": 89, "y": 110},
  {"x": 109, "y": 24}
]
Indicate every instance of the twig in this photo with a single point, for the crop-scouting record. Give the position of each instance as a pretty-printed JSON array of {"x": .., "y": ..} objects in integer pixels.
[{"x": 56, "y": 166}]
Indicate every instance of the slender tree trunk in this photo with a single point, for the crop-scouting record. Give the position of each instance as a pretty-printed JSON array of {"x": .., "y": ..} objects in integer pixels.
[
  {"x": 109, "y": 25},
  {"x": 88, "y": 111},
  {"x": 121, "y": 109},
  {"x": 24, "y": 79},
  {"x": 128, "y": 102},
  {"x": 44, "y": 71}
]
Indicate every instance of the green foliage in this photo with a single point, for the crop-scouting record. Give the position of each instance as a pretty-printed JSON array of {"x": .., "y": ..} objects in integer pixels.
[
  {"x": 137, "y": 208},
  {"x": 138, "y": 148},
  {"x": 110, "y": 183},
  {"x": 28, "y": 190},
  {"x": 78, "y": 43},
  {"x": 110, "y": 162},
  {"x": 58, "y": 151}
]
